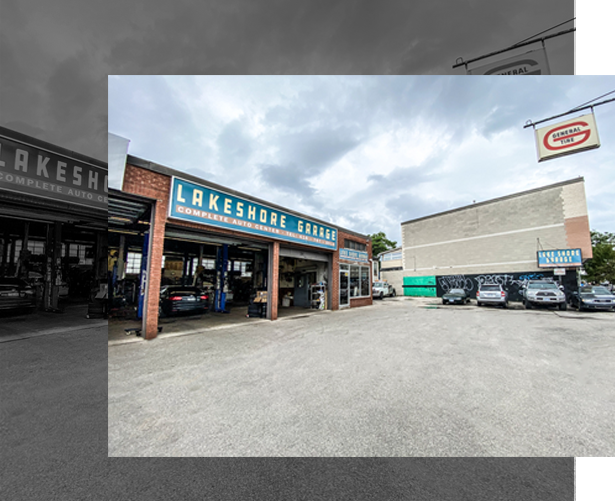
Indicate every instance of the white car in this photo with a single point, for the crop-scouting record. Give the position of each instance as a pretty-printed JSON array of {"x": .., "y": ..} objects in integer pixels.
[{"x": 382, "y": 289}]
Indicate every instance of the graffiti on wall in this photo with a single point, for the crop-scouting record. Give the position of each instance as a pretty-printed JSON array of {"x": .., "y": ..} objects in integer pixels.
[
  {"x": 511, "y": 282},
  {"x": 449, "y": 282}
]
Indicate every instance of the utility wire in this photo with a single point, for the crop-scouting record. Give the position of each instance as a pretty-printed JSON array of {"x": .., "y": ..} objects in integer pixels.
[
  {"x": 599, "y": 97},
  {"x": 557, "y": 25},
  {"x": 529, "y": 123}
]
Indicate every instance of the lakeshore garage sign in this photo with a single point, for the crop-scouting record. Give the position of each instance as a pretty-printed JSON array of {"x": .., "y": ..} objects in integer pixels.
[
  {"x": 559, "y": 258},
  {"x": 353, "y": 255},
  {"x": 572, "y": 136},
  {"x": 201, "y": 204},
  {"x": 29, "y": 170},
  {"x": 533, "y": 62}
]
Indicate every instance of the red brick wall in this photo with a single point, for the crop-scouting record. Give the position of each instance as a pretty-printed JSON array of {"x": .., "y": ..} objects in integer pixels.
[
  {"x": 342, "y": 236},
  {"x": 578, "y": 236},
  {"x": 143, "y": 182},
  {"x": 335, "y": 281},
  {"x": 275, "y": 280},
  {"x": 365, "y": 301}
]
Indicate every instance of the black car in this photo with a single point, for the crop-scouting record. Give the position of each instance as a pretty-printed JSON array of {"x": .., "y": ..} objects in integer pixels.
[
  {"x": 593, "y": 297},
  {"x": 455, "y": 296},
  {"x": 183, "y": 299},
  {"x": 16, "y": 294}
]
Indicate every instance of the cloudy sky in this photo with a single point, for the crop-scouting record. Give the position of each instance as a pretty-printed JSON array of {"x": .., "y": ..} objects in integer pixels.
[
  {"x": 365, "y": 152},
  {"x": 56, "y": 55}
]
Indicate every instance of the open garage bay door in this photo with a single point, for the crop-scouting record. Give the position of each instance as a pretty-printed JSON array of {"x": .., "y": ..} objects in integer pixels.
[{"x": 302, "y": 254}]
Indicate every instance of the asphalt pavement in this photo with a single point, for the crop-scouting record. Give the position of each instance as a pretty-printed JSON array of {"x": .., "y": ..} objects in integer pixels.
[
  {"x": 399, "y": 378},
  {"x": 53, "y": 391}
]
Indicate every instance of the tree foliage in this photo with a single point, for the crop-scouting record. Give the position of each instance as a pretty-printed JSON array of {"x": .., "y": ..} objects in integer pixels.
[
  {"x": 601, "y": 267},
  {"x": 381, "y": 243}
]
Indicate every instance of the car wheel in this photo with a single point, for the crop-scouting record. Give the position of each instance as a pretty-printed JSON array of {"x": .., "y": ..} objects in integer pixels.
[
  {"x": 381, "y": 296},
  {"x": 562, "y": 307},
  {"x": 580, "y": 306},
  {"x": 393, "y": 293},
  {"x": 505, "y": 305},
  {"x": 528, "y": 306},
  {"x": 478, "y": 303}
]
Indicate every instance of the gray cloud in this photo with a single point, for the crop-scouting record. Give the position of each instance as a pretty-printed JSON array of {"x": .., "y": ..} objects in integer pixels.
[
  {"x": 315, "y": 150},
  {"x": 56, "y": 58},
  {"x": 234, "y": 145},
  {"x": 288, "y": 179}
]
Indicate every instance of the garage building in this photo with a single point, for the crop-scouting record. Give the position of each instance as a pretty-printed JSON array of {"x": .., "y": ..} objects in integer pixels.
[
  {"x": 53, "y": 223},
  {"x": 240, "y": 247}
]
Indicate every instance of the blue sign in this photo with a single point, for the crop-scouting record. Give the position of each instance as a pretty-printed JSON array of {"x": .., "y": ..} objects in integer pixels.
[
  {"x": 559, "y": 258},
  {"x": 200, "y": 204},
  {"x": 36, "y": 171},
  {"x": 353, "y": 255}
]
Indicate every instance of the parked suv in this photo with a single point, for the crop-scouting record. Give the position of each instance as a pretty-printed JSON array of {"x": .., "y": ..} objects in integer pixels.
[
  {"x": 382, "y": 289},
  {"x": 543, "y": 292},
  {"x": 491, "y": 294}
]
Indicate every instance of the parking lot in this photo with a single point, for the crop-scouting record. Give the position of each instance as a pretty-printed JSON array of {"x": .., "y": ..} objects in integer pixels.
[{"x": 404, "y": 377}]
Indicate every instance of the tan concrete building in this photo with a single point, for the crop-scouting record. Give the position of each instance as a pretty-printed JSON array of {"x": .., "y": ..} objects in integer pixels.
[
  {"x": 391, "y": 268},
  {"x": 495, "y": 240}
]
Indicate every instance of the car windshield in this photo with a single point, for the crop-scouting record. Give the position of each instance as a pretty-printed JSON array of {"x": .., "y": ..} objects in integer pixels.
[
  {"x": 597, "y": 290},
  {"x": 378, "y": 284},
  {"x": 542, "y": 286},
  {"x": 490, "y": 287},
  {"x": 456, "y": 291}
]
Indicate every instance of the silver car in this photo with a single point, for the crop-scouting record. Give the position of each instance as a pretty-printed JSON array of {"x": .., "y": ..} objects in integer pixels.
[
  {"x": 541, "y": 293},
  {"x": 491, "y": 294}
]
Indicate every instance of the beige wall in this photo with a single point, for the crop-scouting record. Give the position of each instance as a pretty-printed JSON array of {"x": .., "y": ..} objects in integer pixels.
[
  {"x": 395, "y": 278},
  {"x": 498, "y": 236}
]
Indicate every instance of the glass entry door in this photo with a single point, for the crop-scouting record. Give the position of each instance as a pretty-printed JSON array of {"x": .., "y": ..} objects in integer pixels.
[{"x": 344, "y": 283}]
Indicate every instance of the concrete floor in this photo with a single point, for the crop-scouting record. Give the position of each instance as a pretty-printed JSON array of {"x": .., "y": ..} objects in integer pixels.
[
  {"x": 192, "y": 324},
  {"x": 15, "y": 326}
]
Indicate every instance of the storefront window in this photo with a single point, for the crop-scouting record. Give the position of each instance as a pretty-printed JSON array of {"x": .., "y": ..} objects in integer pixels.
[
  {"x": 355, "y": 285},
  {"x": 359, "y": 280},
  {"x": 364, "y": 281}
]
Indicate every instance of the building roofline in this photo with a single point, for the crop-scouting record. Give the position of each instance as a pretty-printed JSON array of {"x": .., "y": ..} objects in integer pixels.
[
  {"x": 167, "y": 171},
  {"x": 389, "y": 250},
  {"x": 579, "y": 179},
  {"x": 53, "y": 148}
]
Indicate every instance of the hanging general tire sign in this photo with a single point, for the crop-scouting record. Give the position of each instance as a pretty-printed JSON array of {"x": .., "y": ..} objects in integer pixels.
[
  {"x": 564, "y": 138},
  {"x": 534, "y": 62}
]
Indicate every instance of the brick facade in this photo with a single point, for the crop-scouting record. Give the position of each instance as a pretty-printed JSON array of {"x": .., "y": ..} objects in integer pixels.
[
  {"x": 149, "y": 184},
  {"x": 342, "y": 237},
  {"x": 578, "y": 235},
  {"x": 156, "y": 185},
  {"x": 275, "y": 279}
]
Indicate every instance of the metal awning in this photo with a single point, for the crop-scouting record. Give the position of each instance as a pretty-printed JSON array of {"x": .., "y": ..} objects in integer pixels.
[{"x": 128, "y": 211}]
